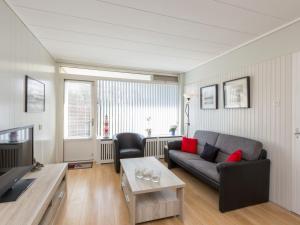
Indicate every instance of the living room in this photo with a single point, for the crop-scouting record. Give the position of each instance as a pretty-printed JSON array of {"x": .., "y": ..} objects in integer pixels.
[{"x": 149, "y": 112}]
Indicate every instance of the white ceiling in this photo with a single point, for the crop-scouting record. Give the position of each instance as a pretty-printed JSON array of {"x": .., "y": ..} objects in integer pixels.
[{"x": 157, "y": 35}]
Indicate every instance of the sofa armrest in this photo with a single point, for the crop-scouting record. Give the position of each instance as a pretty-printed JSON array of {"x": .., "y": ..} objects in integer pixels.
[
  {"x": 172, "y": 145},
  {"x": 244, "y": 183},
  {"x": 226, "y": 168}
]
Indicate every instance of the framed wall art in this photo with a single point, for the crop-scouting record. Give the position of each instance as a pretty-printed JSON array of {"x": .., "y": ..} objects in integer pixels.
[
  {"x": 34, "y": 95},
  {"x": 236, "y": 93},
  {"x": 209, "y": 97}
]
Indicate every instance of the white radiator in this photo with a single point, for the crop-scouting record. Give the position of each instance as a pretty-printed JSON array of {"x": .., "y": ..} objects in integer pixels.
[
  {"x": 154, "y": 147},
  {"x": 151, "y": 147},
  {"x": 161, "y": 142},
  {"x": 105, "y": 151}
]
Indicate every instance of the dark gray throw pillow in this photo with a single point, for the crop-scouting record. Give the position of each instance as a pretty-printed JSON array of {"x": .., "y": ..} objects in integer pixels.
[{"x": 209, "y": 153}]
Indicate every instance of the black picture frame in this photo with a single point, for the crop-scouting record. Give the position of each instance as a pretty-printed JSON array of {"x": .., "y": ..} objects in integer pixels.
[
  {"x": 216, "y": 97},
  {"x": 245, "y": 90},
  {"x": 34, "y": 95}
]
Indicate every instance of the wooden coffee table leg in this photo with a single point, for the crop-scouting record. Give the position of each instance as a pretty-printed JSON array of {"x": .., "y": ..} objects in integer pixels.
[
  {"x": 180, "y": 197},
  {"x": 133, "y": 209},
  {"x": 121, "y": 175}
]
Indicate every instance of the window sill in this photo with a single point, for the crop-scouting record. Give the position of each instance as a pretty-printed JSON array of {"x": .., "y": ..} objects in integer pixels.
[
  {"x": 104, "y": 138},
  {"x": 78, "y": 138},
  {"x": 147, "y": 137},
  {"x": 163, "y": 136}
]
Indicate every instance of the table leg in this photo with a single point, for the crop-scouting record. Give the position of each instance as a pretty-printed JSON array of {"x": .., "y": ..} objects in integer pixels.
[
  {"x": 121, "y": 175},
  {"x": 133, "y": 209},
  {"x": 180, "y": 197}
]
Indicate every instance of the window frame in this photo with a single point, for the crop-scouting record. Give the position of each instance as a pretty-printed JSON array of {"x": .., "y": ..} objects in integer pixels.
[{"x": 65, "y": 76}]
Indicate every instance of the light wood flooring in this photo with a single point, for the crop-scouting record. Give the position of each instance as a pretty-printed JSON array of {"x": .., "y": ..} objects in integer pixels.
[{"x": 95, "y": 198}]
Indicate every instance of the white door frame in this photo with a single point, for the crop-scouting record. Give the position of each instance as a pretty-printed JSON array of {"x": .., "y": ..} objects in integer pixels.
[
  {"x": 91, "y": 141},
  {"x": 295, "y": 206}
]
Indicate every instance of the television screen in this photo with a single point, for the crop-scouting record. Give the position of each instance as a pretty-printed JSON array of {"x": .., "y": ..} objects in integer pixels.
[{"x": 16, "y": 155}]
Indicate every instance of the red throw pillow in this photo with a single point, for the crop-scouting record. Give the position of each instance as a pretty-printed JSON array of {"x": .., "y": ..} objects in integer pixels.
[
  {"x": 189, "y": 145},
  {"x": 235, "y": 156}
]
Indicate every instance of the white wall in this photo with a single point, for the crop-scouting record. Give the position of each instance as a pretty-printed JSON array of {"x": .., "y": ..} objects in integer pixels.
[
  {"x": 268, "y": 62},
  {"x": 21, "y": 54}
]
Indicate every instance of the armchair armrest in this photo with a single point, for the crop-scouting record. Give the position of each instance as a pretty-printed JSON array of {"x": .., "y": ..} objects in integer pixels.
[
  {"x": 141, "y": 142},
  {"x": 116, "y": 154},
  {"x": 244, "y": 183},
  {"x": 116, "y": 146}
]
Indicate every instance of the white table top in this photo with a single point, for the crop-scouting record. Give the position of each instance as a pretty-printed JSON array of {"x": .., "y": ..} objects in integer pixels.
[{"x": 138, "y": 186}]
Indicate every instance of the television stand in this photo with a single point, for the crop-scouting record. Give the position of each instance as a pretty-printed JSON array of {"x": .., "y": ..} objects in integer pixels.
[
  {"x": 40, "y": 204},
  {"x": 16, "y": 191}
]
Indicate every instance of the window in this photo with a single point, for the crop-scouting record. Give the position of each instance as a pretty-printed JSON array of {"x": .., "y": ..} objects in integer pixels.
[
  {"x": 78, "y": 109},
  {"x": 104, "y": 74},
  {"x": 127, "y": 106}
]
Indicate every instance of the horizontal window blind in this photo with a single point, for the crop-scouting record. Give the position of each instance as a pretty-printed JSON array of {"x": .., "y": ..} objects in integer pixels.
[
  {"x": 127, "y": 106},
  {"x": 78, "y": 109}
]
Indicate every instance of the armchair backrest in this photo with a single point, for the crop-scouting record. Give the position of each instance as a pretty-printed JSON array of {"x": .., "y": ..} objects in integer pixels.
[{"x": 130, "y": 140}]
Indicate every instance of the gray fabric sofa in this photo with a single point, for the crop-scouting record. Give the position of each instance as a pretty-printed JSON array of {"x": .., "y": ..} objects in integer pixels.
[{"x": 239, "y": 184}]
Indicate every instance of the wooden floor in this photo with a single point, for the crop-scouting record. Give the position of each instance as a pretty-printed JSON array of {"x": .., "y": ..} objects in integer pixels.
[{"x": 95, "y": 198}]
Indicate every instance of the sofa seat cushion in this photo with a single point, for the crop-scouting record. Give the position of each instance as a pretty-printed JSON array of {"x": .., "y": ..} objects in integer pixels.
[
  {"x": 196, "y": 164},
  {"x": 130, "y": 153},
  {"x": 182, "y": 156},
  {"x": 209, "y": 169}
]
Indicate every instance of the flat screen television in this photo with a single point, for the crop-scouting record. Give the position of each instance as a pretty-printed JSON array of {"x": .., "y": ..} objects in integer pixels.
[{"x": 16, "y": 159}]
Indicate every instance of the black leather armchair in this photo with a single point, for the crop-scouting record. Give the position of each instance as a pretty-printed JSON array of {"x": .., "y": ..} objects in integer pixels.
[{"x": 128, "y": 145}]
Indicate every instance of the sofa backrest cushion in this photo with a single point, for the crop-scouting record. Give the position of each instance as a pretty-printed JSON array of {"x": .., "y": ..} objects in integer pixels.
[
  {"x": 204, "y": 137},
  {"x": 229, "y": 143}
]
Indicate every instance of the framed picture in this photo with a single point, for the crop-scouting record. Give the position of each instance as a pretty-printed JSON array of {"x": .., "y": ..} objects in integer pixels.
[
  {"x": 236, "y": 93},
  {"x": 34, "y": 96},
  {"x": 209, "y": 97}
]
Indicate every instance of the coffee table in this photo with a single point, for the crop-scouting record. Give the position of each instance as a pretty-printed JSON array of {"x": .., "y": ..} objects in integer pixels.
[{"x": 147, "y": 200}]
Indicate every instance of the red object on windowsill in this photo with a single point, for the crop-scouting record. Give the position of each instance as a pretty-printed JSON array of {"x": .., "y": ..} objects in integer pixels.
[
  {"x": 235, "y": 156},
  {"x": 189, "y": 145},
  {"x": 106, "y": 127}
]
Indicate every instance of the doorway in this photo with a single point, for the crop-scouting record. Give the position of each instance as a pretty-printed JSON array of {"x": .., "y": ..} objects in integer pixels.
[{"x": 79, "y": 132}]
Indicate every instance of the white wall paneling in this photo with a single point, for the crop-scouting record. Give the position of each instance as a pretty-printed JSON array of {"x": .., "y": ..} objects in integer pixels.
[
  {"x": 22, "y": 54},
  {"x": 268, "y": 120}
]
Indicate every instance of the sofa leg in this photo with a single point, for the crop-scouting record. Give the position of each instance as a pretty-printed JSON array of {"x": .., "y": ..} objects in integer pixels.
[
  {"x": 166, "y": 154},
  {"x": 171, "y": 164},
  {"x": 117, "y": 167}
]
